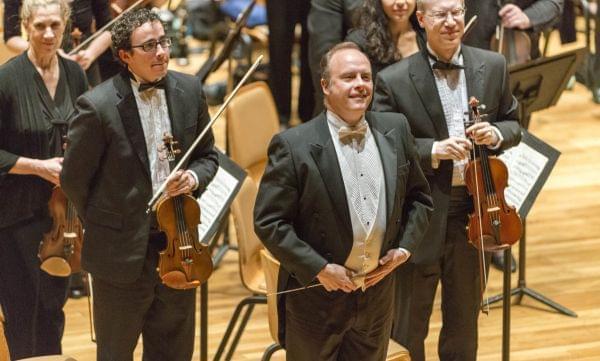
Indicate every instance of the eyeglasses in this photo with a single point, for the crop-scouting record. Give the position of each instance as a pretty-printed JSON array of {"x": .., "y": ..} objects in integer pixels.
[
  {"x": 440, "y": 16},
  {"x": 152, "y": 45}
]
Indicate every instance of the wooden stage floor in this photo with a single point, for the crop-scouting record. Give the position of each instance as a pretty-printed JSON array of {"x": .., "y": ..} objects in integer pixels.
[{"x": 563, "y": 262}]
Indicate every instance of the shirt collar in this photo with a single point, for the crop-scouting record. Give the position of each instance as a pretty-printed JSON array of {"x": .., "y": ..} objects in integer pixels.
[
  {"x": 456, "y": 57},
  {"x": 337, "y": 122}
]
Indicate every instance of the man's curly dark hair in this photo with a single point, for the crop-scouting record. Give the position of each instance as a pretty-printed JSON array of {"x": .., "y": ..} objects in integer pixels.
[{"x": 124, "y": 27}]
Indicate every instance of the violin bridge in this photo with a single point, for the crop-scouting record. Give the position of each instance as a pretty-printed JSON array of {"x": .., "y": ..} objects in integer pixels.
[
  {"x": 183, "y": 248},
  {"x": 493, "y": 209}
]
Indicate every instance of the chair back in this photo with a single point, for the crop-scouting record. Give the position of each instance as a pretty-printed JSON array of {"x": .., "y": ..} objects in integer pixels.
[
  {"x": 249, "y": 246},
  {"x": 271, "y": 268},
  {"x": 252, "y": 121}
]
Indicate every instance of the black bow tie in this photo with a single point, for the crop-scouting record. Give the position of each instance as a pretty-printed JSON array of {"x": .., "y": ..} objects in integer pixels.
[
  {"x": 159, "y": 84},
  {"x": 442, "y": 65}
]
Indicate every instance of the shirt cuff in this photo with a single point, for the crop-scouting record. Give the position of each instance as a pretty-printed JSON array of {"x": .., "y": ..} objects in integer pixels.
[
  {"x": 195, "y": 179},
  {"x": 500, "y": 139},
  {"x": 435, "y": 162},
  {"x": 405, "y": 251}
]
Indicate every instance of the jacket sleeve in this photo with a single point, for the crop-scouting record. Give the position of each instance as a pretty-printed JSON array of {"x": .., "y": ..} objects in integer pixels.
[
  {"x": 544, "y": 13},
  {"x": 507, "y": 119},
  {"x": 274, "y": 213},
  {"x": 204, "y": 161},
  {"x": 86, "y": 143},
  {"x": 418, "y": 203}
]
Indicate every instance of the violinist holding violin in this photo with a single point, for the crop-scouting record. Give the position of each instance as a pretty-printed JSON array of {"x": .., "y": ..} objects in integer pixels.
[
  {"x": 38, "y": 89},
  {"x": 113, "y": 165},
  {"x": 432, "y": 89}
]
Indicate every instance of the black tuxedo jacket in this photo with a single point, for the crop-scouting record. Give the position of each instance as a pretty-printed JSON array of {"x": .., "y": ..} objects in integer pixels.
[
  {"x": 301, "y": 212},
  {"x": 409, "y": 87},
  {"x": 106, "y": 172}
]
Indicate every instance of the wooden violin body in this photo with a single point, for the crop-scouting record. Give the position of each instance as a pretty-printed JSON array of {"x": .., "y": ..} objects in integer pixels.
[
  {"x": 493, "y": 224},
  {"x": 515, "y": 45},
  {"x": 60, "y": 249},
  {"x": 185, "y": 262}
]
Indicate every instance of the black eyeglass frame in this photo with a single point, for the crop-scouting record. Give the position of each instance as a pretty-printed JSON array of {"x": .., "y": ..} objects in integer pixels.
[{"x": 151, "y": 45}]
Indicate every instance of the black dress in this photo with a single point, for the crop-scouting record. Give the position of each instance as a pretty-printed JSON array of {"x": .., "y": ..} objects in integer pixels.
[{"x": 31, "y": 125}]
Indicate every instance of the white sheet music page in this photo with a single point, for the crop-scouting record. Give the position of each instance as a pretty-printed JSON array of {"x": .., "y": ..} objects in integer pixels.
[{"x": 214, "y": 199}]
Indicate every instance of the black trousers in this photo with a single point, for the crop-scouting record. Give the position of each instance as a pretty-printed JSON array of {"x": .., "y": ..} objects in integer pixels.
[
  {"x": 329, "y": 326},
  {"x": 32, "y": 300},
  {"x": 163, "y": 316},
  {"x": 458, "y": 272},
  {"x": 283, "y": 15}
]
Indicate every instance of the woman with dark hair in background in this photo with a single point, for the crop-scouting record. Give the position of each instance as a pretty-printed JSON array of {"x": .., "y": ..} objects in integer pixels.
[
  {"x": 387, "y": 31},
  {"x": 38, "y": 89}
]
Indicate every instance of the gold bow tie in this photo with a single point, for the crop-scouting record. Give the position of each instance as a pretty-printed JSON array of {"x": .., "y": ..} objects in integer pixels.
[{"x": 357, "y": 132}]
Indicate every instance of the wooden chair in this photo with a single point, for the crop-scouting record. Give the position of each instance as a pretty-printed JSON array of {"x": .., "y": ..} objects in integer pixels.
[
  {"x": 396, "y": 352},
  {"x": 251, "y": 122},
  {"x": 4, "y": 355}
]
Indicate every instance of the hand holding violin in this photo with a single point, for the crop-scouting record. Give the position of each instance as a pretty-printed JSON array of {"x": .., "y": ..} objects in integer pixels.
[
  {"x": 454, "y": 148},
  {"x": 483, "y": 133},
  {"x": 181, "y": 182},
  {"x": 514, "y": 18}
]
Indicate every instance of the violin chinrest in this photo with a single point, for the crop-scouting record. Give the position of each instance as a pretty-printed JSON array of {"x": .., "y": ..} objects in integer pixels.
[{"x": 178, "y": 280}]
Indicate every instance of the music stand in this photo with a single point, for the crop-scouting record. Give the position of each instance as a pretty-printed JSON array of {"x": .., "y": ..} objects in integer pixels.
[
  {"x": 538, "y": 85},
  {"x": 214, "y": 205}
]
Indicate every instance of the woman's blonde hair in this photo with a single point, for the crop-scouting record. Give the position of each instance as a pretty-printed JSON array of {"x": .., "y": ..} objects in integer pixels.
[{"x": 29, "y": 5}]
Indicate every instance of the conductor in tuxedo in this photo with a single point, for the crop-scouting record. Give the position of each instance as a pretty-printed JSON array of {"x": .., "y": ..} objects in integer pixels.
[
  {"x": 343, "y": 202},
  {"x": 112, "y": 167},
  {"x": 432, "y": 88}
]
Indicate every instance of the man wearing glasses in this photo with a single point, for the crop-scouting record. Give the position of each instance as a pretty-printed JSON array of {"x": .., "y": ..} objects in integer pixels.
[
  {"x": 112, "y": 166},
  {"x": 431, "y": 89}
]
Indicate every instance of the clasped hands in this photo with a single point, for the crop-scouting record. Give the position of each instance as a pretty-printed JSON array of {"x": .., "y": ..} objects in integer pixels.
[
  {"x": 335, "y": 277},
  {"x": 456, "y": 148}
]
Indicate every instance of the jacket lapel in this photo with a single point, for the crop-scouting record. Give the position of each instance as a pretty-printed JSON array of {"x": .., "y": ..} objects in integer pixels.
[
  {"x": 386, "y": 143},
  {"x": 422, "y": 78},
  {"x": 325, "y": 157},
  {"x": 474, "y": 70},
  {"x": 128, "y": 111}
]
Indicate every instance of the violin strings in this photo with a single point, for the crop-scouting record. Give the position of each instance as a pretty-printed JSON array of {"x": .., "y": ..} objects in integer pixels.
[{"x": 482, "y": 265}]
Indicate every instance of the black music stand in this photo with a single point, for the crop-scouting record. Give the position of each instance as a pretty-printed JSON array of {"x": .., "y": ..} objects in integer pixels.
[
  {"x": 536, "y": 85},
  {"x": 214, "y": 205}
]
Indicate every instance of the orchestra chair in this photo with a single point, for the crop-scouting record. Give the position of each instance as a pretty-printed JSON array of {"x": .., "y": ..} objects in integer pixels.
[
  {"x": 4, "y": 355},
  {"x": 251, "y": 122},
  {"x": 49, "y": 358},
  {"x": 395, "y": 352}
]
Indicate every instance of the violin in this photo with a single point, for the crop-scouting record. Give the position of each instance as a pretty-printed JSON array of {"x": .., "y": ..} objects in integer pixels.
[
  {"x": 186, "y": 262},
  {"x": 60, "y": 248},
  {"x": 514, "y": 44},
  {"x": 493, "y": 225}
]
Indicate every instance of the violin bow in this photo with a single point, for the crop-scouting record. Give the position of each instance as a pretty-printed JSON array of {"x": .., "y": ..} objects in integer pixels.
[
  {"x": 187, "y": 154},
  {"x": 485, "y": 304},
  {"x": 105, "y": 27}
]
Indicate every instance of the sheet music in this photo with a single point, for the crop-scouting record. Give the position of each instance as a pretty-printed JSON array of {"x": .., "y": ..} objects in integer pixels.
[
  {"x": 525, "y": 165},
  {"x": 213, "y": 200}
]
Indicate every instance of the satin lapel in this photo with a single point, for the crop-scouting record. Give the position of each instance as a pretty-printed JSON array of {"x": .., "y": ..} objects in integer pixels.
[
  {"x": 128, "y": 111},
  {"x": 474, "y": 70},
  {"x": 325, "y": 156},
  {"x": 387, "y": 144},
  {"x": 422, "y": 78},
  {"x": 177, "y": 112}
]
